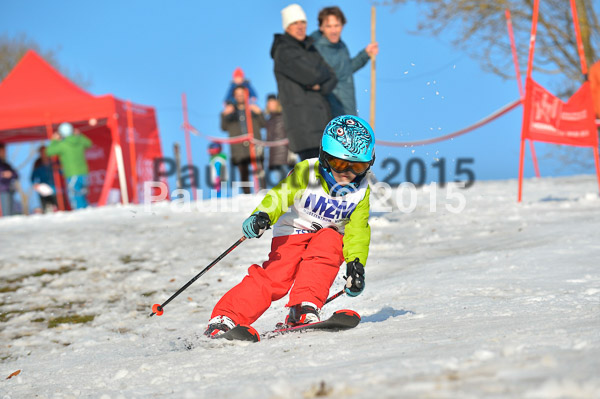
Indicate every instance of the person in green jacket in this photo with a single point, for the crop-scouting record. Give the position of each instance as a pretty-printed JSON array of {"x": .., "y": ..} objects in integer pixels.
[
  {"x": 70, "y": 145},
  {"x": 320, "y": 218}
]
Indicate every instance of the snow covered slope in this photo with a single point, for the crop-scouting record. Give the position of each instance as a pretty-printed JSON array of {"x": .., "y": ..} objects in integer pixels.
[{"x": 499, "y": 300}]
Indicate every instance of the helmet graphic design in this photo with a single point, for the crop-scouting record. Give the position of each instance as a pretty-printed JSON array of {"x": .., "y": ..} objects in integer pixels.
[{"x": 350, "y": 138}]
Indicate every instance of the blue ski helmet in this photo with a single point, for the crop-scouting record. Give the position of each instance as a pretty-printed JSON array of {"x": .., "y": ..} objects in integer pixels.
[
  {"x": 350, "y": 138},
  {"x": 214, "y": 148},
  {"x": 65, "y": 129}
]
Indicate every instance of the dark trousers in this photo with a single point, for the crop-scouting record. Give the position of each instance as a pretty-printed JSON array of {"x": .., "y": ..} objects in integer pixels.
[
  {"x": 244, "y": 169},
  {"x": 48, "y": 203}
]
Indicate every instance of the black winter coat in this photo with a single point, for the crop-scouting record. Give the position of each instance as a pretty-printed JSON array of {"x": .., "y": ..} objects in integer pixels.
[
  {"x": 232, "y": 123},
  {"x": 298, "y": 67},
  {"x": 278, "y": 155}
]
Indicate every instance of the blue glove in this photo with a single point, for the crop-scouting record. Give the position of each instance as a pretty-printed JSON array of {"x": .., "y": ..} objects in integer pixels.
[
  {"x": 355, "y": 279},
  {"x": 256, "y": 224}
]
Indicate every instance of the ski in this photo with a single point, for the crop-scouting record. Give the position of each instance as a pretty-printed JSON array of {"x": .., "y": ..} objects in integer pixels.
[
  {"x": 240, "y": 333},
  {"x": 341, "y": 320}
]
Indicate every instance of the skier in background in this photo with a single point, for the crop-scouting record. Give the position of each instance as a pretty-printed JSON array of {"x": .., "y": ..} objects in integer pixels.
[
  {"x": 218, "y": 166},
  {"x": 319, "y": 214}
]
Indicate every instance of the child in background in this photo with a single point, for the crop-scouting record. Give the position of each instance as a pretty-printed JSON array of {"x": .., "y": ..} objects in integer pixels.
[
  {"x": 218, "y": 166},
  {"x": 239, "y": 80},
  {"x": 319, "y": 214}
]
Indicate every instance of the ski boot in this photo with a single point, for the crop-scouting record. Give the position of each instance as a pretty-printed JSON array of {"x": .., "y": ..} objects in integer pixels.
[
  {"x": 218, "y": 325},
  {"x": 304, "y": 313}
]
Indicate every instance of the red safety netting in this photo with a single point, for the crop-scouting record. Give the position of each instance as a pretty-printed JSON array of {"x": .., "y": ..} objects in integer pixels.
[
  {"x": 460, "y": 132},
  {"x": 494, "y": 115}
]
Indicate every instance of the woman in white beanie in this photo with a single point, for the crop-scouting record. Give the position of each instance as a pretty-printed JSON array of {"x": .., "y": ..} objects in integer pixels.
[{"x": 303, "y": 81}]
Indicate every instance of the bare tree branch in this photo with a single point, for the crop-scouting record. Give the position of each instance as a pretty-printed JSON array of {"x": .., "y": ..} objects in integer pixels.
[
  {"x": 479, "y": 28},
  {"x": 12, "y": 49}
]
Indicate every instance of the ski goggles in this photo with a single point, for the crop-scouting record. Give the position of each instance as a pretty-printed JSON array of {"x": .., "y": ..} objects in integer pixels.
[{"x": 340, "y": 165}]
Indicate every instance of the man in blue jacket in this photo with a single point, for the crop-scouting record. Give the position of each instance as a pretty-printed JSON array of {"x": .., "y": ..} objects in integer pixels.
[{"x": 330, "y": 45}]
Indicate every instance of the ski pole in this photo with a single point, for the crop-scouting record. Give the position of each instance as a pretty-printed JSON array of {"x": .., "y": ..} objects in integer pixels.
[
  {"x": 331, "y": 298},
  {"x": 158, "y": 309}
]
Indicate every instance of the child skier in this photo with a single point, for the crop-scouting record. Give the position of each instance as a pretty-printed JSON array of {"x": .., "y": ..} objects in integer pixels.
[
  {"x": 319, "y": 214},
  {"x": 218, "y": 166}
]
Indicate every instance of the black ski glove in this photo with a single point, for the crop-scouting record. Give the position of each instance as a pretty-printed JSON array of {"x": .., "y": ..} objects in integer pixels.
[
  {"x": 355, "y": 279},
  {"x": 256, "y": 224}
]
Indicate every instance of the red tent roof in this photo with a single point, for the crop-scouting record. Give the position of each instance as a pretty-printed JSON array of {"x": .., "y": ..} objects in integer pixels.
[
  {"x": 35, "y": 94},
  {"x": 34, "y": 82}
]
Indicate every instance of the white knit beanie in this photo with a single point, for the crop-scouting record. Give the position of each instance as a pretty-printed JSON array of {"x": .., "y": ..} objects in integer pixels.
[{"x": 291, "y": 14}]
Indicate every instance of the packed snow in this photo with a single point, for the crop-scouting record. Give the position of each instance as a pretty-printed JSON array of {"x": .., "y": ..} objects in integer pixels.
[{"x": 499, "y": 300}]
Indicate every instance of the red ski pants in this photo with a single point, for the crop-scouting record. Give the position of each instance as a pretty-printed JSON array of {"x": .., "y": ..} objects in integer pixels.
[{"x": 310, "y": 262}]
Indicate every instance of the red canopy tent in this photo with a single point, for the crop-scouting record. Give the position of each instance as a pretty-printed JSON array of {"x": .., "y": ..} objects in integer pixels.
[{"x": 35, "y": 98}]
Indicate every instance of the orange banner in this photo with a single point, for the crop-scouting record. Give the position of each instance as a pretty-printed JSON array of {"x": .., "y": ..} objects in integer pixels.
[
  {"x": 547, "y": 118},
  {"x": 551, "y": 120}
]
